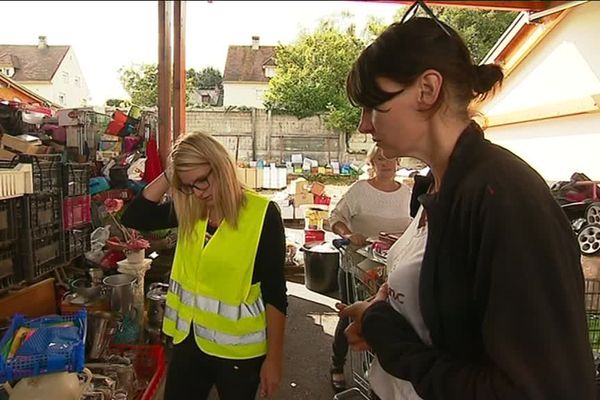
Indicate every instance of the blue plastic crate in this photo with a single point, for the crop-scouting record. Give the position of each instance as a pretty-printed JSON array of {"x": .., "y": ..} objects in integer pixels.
[{"x": 69, "y": 359}]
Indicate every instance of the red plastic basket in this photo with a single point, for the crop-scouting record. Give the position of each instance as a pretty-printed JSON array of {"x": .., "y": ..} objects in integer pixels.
[
  {"x": 77, "y": 211},
  {"x": 149, "y": 365}
]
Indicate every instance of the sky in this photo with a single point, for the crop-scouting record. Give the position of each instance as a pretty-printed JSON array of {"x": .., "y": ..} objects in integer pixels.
[{"x": 107, "y": 35}]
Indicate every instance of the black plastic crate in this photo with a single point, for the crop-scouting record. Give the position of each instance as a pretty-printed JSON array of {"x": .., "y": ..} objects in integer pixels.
[
  {"x": 9, "y": 228},
  {"x": 10, "y": 270},
  {"x": 77, "y": 242},
  {"x": 46, "y": 169},
  {"x": 41, "y": 255},
  {"x": 76, "y": 179},
  {"x": 41, "y": 210}
]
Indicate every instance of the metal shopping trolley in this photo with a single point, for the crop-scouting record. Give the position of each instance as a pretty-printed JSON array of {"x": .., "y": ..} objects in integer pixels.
[{"x": 362, "y": 284}]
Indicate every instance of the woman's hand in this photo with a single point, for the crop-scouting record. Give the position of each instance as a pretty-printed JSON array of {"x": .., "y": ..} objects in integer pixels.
[
  {"x": 270, "y": 377},
  {"x": 357, "y": 239},
  {"x": 355, "y": 312}
]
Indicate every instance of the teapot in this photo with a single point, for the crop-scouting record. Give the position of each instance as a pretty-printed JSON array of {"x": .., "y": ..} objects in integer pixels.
[{"x": 54, "y": 386}]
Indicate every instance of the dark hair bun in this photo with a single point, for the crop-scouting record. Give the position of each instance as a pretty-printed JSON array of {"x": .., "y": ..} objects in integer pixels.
[{"x": 486, "y": 77}]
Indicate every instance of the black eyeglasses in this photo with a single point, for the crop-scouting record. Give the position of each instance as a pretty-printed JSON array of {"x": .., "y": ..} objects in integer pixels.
[
  {"x": 412, "y": 11},
  {"x": 200, "y": 185}
]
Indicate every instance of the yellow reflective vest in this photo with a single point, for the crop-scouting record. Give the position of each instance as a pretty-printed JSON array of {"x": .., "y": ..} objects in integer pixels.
[{"x": 211, "y": 287}]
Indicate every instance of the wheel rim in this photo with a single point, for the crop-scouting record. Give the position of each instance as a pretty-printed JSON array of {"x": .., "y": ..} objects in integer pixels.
[
  {"x": 589, "y": 239},
  {"x": 592, "y": 214}
]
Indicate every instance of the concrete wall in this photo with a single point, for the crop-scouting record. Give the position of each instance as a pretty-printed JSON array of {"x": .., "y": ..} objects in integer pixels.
[
  {"x": 259, "y": 134},
  {"x": 245, "y": 94}
]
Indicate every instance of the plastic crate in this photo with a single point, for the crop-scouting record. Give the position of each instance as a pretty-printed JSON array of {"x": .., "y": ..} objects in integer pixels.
[
  {"x": 592, "y": 308},
  {"x": 42, "y": 251},
  {"x": 16, "y": 181},
  {"x": 77, "y": 211},
  {"x": 149, "y": 364},
  {"x": 77, "y": 242},
  {"x": 9, "y": 267},
  {"x": 46, "y": 170},
  {"x": 9, "y": 228},
  {"x": 40, "y": 210},
  {"x": 71, "y": 359},
  {"x": 76, "y": 179}
]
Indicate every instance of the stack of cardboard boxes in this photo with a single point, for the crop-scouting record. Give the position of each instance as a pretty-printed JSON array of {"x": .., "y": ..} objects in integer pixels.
[
  {"x": 251, "y": 177},
  {"x": 312, "y": 203}
]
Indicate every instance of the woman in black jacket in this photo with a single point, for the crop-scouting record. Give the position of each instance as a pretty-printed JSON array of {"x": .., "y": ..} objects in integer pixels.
[{"x": 499, "y": 285}]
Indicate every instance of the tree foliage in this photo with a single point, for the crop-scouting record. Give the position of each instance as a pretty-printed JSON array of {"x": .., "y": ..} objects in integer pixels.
[
  {"x": 140, "y": 81},
  {"x": 311, "y": 73},
  {"x": 207, "y": 78},
  {"x": 480, "y": 29}
]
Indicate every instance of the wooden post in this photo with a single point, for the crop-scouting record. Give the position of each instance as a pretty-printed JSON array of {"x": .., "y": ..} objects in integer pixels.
[
  {"x": 179, "y": 72},
  {"x": 164, "y": 80}
]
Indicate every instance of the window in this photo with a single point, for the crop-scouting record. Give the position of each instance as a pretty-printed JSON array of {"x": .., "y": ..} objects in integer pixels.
[
  {"x": 269, "y": 72},
  {"x": 62, "y": 98},
  {"x": 65, "y": 76},
  {"x": 77, "y": 81}
]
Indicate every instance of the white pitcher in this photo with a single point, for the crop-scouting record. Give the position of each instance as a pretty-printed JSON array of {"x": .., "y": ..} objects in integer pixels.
[{"x": 54, "y": 386}]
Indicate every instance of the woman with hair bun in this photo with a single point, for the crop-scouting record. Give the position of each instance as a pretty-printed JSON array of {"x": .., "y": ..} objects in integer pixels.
[{"x": 486, "y": 295}]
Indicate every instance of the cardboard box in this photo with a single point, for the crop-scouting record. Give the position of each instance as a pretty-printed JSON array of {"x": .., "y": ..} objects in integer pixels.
[
  {"x": 73, "y": 136},
  {"x": 241, "y": 174},
  {"x": 251, "y": 178},
  {"x": 302, "y": 187},
  {"x": 317, "y": 188},
  {"x": 302, "y": 199}
]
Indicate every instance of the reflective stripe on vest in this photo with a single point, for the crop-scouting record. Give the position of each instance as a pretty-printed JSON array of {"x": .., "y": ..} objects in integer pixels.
[{"x": 215, "y": 306}]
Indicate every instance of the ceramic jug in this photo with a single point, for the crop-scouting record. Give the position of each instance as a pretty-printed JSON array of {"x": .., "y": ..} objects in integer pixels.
[{"x": 54, "y": 386}]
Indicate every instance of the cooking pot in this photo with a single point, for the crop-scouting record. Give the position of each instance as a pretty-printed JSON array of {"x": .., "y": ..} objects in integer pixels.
[
  {"x": 121, "y": 288},
  {"x": 321, "y": 264}
]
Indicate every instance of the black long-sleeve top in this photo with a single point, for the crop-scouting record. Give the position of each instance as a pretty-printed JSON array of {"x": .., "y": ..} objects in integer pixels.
[
  {"x": 145, "y": 215},
  {"x": 501, "y": 289}
]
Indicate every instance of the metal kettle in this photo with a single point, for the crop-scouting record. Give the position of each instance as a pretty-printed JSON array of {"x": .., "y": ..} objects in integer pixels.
[{"x": 157, "y": 297}]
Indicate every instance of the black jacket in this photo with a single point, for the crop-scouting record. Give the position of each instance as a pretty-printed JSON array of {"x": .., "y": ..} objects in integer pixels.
[{"x": 501, "y": 288}]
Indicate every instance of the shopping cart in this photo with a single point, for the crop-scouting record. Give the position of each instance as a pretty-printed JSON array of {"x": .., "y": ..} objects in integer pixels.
[{"x": 358, "y": 290}]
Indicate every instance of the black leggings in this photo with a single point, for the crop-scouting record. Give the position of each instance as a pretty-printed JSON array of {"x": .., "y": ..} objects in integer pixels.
[{"x": 192, "y": 374}]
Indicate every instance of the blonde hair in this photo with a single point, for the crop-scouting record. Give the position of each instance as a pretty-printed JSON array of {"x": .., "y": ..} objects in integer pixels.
[{"x": 191, "y": 151}]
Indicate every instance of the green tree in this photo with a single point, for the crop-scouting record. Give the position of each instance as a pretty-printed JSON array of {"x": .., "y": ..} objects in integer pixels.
[
  {"x": 140, "y": 81},
  {"x": 207, "y": 78},
  {"x": 479, "y": 28},
  {"x": 117, "y": 103},
  {"x": 311, "y": 73}
]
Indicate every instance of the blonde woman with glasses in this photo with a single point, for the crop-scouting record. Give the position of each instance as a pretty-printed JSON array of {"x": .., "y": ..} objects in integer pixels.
[
  {"x": 486, "y": 296},
  {"x": 227, "y": 301}
]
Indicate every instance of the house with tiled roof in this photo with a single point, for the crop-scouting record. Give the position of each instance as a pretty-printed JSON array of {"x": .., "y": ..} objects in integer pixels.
[
  {"x": 52, "y": 72},
  {"x": 247, "y": 72}
]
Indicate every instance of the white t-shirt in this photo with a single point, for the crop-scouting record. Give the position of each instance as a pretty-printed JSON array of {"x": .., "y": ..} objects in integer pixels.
[
  {"x": 404, "y": 269},
  {"x": 367, "y": 210}
]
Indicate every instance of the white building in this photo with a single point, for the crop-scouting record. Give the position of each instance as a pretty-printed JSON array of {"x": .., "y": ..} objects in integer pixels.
[
  {"x": 50, "y": 71},
  {"x": 247, "y": 72},
  {"x": 548, "y": 110}
]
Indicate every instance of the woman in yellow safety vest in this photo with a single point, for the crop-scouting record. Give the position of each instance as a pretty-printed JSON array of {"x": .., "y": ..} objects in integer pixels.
[{"x": 226, "y": 304}]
